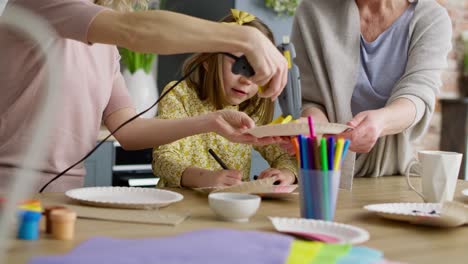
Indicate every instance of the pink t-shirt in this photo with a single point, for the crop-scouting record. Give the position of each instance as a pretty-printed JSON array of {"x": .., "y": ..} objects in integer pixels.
[{"x": 92, "y": 87}]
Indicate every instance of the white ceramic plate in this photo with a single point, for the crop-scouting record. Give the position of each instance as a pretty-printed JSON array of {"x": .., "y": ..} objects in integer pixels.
[
  {"x": 292, "y": 129},
  {"x": 341, "y": 232},
  {"x": 410, "y": 212},
  {"x": 124, "y": 197}
]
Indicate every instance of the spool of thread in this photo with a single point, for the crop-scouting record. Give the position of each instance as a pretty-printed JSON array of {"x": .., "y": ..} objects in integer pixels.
[
  {"x": 63, "y": 224},
  {"x": 28, "y": 228},
  {"x": 47, "y": 211}
]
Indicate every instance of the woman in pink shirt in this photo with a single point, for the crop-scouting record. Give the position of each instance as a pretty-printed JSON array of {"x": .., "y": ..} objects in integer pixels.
[{"x": 94, "y": 90}]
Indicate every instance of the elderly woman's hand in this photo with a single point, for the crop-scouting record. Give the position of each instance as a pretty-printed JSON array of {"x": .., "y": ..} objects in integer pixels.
[{"x": 368, "y": 127}]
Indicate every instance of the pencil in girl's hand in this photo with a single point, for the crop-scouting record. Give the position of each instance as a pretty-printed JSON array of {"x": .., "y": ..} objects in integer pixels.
[{"x": 220, "y": 162}]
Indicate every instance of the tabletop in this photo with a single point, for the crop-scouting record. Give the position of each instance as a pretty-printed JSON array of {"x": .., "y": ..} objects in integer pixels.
[{"x": 399, "y": 241}]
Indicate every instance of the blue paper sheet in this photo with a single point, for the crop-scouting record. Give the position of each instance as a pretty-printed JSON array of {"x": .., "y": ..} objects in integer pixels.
[{"x": 204, "y": 246}]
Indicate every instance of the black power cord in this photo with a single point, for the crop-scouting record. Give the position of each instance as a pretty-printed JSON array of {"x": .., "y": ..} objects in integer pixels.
[{"x": 240, "y": 63}]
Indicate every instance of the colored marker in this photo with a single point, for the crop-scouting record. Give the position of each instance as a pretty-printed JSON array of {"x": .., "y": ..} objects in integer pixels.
[
  {"x": 316, "y": 150},
  {"x": 345, "y": 149},
  {"x": 338, "y": 153},
  {"x": 331, "y": 152},
  {"x": 310, "y": 153},
  {"x": 295, "y": 143},
  {"x": 323, "y": 154},
  {"x": 311, "y": 126}
]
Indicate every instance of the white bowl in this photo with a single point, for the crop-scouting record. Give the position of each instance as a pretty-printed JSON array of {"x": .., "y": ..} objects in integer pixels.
[{"x": 236, "y": 207}]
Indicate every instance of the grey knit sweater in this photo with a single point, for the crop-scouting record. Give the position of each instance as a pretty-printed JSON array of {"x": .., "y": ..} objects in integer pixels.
[{"x": 326, "y": 35}]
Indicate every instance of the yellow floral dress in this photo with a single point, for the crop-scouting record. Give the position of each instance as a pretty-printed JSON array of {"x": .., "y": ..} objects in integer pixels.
[{"x": 171, "y": 160}]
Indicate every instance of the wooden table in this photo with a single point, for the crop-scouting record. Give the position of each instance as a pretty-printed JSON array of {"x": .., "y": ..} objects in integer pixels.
[{"x": 398, "y": 240}]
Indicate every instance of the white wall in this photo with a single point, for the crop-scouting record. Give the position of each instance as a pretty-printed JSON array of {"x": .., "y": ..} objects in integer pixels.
[
  {"x": 2, "y": 5},
  {"x": 280, "y": 25}
]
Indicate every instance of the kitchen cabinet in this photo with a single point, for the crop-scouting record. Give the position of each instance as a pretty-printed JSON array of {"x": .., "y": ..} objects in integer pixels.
[{"x": 99, "y": 166}]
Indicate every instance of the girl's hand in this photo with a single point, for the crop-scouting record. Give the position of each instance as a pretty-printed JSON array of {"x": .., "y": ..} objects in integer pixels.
[
  {"x": 368, "y": 127},
  {"x": 284, "y": 176},
  {"x": 232, "y": 125},
  {"x": 194, "y": 177},
  {"x": 222, "y": 178}
]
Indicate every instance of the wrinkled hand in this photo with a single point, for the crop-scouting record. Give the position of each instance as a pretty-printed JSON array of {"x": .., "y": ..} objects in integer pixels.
[
  {"x": 270, "y": 66},
  {"x": 284, "y": 176},
  {"x": 368, "y": 127},
  {"x": 223, "y": 178}
]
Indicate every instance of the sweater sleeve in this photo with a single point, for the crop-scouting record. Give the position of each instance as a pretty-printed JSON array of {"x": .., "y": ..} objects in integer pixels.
[
  {"x": 427, "y": 57},
  {"x": 311, "y": 95}
]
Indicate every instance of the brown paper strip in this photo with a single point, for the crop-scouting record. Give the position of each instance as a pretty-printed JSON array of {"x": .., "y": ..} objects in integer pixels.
[{"x": 257, "y": 187}]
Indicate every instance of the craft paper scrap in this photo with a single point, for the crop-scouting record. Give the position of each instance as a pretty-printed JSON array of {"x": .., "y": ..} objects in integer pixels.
[{"x": 213, "y": 246}]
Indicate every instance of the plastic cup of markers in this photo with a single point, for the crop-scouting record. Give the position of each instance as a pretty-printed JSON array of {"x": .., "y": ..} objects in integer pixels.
[{"x": 318, "y": 191}]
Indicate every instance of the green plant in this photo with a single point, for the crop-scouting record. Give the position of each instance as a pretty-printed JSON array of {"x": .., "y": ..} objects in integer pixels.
[
  {"x": 135, "y": 60},
  {"x": 162, "y": 4},
  {"x": 283, "y": 7}
]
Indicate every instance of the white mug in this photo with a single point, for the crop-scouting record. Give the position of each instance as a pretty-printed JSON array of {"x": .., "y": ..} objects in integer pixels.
[{"x": 439, "y": 173}]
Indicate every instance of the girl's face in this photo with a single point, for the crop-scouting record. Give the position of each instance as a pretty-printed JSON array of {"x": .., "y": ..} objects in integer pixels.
[{"x": 237, "y": 88}]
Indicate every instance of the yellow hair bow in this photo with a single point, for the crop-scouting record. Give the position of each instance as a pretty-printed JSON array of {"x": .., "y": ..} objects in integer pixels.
[{"x": 241, "y": 17}]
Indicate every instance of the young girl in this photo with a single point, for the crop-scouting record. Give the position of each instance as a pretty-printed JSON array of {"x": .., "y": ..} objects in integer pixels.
[{"x": 187, "y": 162}]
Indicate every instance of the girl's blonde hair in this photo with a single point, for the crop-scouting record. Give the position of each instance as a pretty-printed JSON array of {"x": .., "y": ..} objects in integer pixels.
[
  {"x": 124, "y": 5},
  {"x": 208, "y": 81}
]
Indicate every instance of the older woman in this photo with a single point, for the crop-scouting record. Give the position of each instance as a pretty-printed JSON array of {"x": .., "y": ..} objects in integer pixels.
[
  {"x": 94, "y": 90},
  {"x": 374, "y": 65}
]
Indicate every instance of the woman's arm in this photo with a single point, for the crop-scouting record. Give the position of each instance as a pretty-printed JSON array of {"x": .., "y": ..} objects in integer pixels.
[
  {"x": 166, "y": 32},
  {"x": 398, "y": 115},
  {"x": 370, "y": 125},
  {"x": 412, "y": 101},
  {"x": 317, "y": 114},
  {"x": 146, "y": 133}
]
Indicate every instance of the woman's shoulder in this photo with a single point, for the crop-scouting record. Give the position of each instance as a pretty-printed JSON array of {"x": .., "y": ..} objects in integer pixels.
[
  {"x": 312, "y": 6},
  {"x": 429, "y": 14},
  {"x": 428, "y": 10}
]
